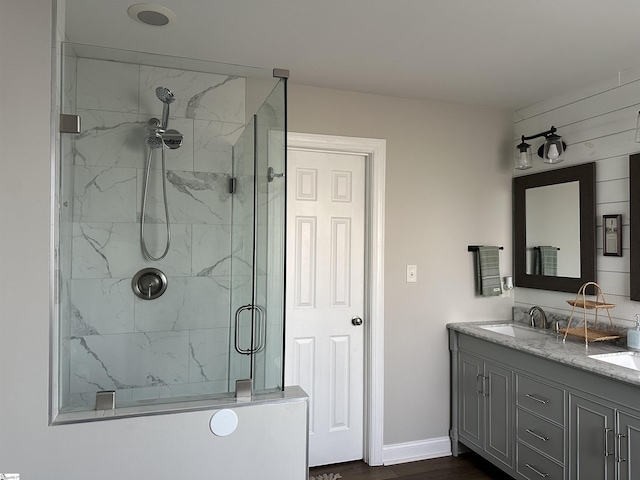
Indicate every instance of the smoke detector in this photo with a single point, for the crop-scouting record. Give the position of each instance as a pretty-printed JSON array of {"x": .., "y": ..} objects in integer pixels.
[{"x": 150, "y": 14}]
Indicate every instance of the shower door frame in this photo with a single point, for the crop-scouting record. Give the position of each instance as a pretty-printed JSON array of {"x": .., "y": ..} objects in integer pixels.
[{"x": 374, "y": 151}]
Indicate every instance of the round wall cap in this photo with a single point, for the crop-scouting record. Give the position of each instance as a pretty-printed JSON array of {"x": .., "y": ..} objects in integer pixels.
[{"x": 223, "y": 422}]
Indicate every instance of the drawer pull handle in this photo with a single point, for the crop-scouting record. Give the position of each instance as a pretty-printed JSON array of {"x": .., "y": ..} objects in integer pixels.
[
  {"x": 531, "y": 467},
  {"x": 539, "y": 400},
  {"x": 538, "y": 436},
  {"x": 481, "y": 388},
  {"x": 607, "y": 453},
  {"x": 619, "y": 438}
]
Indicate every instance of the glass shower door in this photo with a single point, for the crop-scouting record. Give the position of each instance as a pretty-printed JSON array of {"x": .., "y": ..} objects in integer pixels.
[
  {"x": 270, "y": 245},
  {"x": 242, "y": 259},
  {"x": 258, "y": 243}
]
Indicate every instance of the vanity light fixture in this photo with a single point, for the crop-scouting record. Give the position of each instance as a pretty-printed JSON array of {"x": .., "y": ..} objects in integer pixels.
[{"x": 550, "y": 152}]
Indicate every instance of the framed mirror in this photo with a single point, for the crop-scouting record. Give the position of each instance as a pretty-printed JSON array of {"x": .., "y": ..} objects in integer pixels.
[
  {"x": 634, "y": 225},
  {"x": 555, "y": 229}
]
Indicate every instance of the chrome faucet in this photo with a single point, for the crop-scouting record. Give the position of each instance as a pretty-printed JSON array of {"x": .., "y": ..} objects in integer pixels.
[{"x": 543, "y": 316}]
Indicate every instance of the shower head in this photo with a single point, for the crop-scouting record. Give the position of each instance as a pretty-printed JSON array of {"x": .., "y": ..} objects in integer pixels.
[
  {"x": 166, "y": 97},
  {"x": 154, "y": 140}
]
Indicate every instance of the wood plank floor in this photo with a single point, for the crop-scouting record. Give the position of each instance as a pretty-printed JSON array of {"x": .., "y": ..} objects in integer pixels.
[{"x": 464, "y": 467}]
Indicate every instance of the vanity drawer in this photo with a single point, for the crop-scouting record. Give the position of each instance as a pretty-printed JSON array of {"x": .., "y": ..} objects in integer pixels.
[
  {"x": 541, "y": 434},
  {"x": 540, "y": 398},
  {"x": 534, "y": 465}
]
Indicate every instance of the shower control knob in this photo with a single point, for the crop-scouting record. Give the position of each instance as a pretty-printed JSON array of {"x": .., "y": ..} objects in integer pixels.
[
  {"x": 357, "y": 321},
  {"x": 149, "y": 283}
]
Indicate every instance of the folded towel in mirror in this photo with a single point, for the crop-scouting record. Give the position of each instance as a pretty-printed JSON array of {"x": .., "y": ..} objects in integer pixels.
[{"x": 546, "y": 261}]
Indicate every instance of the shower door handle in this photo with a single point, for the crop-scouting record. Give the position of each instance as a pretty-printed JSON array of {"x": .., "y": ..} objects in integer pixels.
[
  {"x": 258, "y": 330},
  {"x": 241, "y": 351}
]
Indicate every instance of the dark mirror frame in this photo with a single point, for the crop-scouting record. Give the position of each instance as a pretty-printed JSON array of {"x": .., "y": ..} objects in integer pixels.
[
  {"x": 585, "y": 174},
  {"x": 634, "y": 225}
]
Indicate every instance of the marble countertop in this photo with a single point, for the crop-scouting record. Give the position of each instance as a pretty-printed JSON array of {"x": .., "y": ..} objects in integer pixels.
[{"x": 550, "y": 345}]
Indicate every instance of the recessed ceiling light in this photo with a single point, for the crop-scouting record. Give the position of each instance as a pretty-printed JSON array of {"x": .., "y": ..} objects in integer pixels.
[{"x": 150, "y": 14}]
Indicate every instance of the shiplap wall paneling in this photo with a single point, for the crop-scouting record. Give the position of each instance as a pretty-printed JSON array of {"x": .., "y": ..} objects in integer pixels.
[{"x": 597, "y": 122}]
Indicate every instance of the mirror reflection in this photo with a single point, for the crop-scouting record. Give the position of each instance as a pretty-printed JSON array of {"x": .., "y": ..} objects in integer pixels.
[{"x": 553, "y": 230}]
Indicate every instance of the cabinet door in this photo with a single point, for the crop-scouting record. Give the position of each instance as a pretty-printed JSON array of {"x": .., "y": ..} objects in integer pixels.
[
  {"x": 592, "y": 440},
  {"x": 499, "y": 413},
  {"x": 471, "y": 418},
  {"x": 628, "y": 447}
]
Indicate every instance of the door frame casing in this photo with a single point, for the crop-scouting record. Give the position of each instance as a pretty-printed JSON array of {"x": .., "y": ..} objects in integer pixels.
[{"x": 374, "y": 151}]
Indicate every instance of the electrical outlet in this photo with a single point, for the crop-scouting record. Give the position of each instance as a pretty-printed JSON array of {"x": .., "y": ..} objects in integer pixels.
[{"x": 412, "y": 273}]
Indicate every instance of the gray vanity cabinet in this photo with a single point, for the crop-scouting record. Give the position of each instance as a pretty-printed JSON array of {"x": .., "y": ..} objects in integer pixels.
[
  {"x": 628, "y": 446},
  {"x": 536, "y": 418},
  {"x": 592, "y": 439},
  {"x": 605, "y": 441},
  {"x": 486, "y": 392},
  {"x": 541, "y": 427}
]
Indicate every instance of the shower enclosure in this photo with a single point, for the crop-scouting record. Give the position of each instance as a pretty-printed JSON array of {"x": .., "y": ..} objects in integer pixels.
[{"x": 204, "y": 306}]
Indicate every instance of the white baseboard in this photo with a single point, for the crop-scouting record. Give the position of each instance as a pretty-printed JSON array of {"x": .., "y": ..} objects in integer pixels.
[{"x": 414, "y": 451}]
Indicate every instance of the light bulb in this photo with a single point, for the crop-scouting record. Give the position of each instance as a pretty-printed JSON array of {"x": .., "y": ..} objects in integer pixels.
[
  {"x": 523, "y": 157},
  {"x": 523, "y": 161},
  {"x": 552, "y": 153}
]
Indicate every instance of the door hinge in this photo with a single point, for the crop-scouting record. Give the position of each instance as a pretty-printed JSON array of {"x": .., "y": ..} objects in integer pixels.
[
  {"x": 232, "y": 185},
  {"x": 69, "y": 123}
]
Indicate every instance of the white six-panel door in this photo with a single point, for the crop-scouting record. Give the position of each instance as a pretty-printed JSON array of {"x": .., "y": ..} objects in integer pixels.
[{"x": 325, "y": 298}]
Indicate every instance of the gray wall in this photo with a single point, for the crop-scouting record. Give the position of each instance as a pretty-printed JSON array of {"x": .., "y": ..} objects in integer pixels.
[{"x": 448, "y": 185}]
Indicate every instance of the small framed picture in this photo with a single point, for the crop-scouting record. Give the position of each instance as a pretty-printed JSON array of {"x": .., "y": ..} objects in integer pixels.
[{"x": 612, "y": 235}]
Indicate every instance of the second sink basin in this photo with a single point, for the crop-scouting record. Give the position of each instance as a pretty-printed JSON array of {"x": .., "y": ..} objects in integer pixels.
[
  {"x": 623, "y": 359},
  {"x": 513, "y": 330}
]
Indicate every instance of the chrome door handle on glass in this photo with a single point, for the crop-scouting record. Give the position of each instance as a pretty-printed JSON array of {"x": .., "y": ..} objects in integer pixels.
[
  {"x": 257, "y": 329},
  {"x": 357, "y": 321}
]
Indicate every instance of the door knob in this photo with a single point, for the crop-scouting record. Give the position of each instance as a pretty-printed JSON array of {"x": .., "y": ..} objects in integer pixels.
[{"x": 357, "y": 321}]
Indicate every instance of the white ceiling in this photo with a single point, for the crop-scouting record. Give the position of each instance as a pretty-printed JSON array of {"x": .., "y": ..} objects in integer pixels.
[{"x": 503, "y": 53}]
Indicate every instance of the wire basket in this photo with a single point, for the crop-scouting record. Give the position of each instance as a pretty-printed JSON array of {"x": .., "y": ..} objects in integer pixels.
[{"x": 590, "y": 334}]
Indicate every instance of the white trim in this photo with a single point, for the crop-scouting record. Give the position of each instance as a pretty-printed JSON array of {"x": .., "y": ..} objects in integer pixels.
[
  {"x": 375, "y": 152},
  {"x": 414, "y": 451}
]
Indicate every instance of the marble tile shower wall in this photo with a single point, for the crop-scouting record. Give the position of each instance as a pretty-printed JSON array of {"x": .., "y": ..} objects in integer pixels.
[{"x": 177, "y": 344}]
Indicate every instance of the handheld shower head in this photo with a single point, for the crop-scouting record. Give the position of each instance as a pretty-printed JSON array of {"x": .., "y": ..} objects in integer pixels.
[{"x": 166, "y": 97}]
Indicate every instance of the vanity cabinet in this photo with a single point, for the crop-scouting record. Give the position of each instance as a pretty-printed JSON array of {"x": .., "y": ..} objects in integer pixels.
[
  {"x": 537, "y": 418},
  {"x": 628, "y": 431},
  {"x": 540, "y": 427},
  {"x": 592, "y": 435},
  {"x": 605, "y": 441},
  {"x": 485, "y": 401}
]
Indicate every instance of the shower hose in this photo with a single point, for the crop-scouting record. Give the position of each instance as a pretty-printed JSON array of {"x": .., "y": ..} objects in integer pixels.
[{"x": 145, "y": 188}]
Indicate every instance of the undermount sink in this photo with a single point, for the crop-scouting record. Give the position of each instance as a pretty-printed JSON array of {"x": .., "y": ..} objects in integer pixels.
[
  {"x": 513, "y": 330},
  {"x": 624, "y": 359}
]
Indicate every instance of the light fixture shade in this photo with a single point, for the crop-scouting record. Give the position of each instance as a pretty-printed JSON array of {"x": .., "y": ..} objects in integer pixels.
[
  {"x": 638, "y": 129},
  {"x": 553, "y": 149},
  {"x": 524, "y": 159}
]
